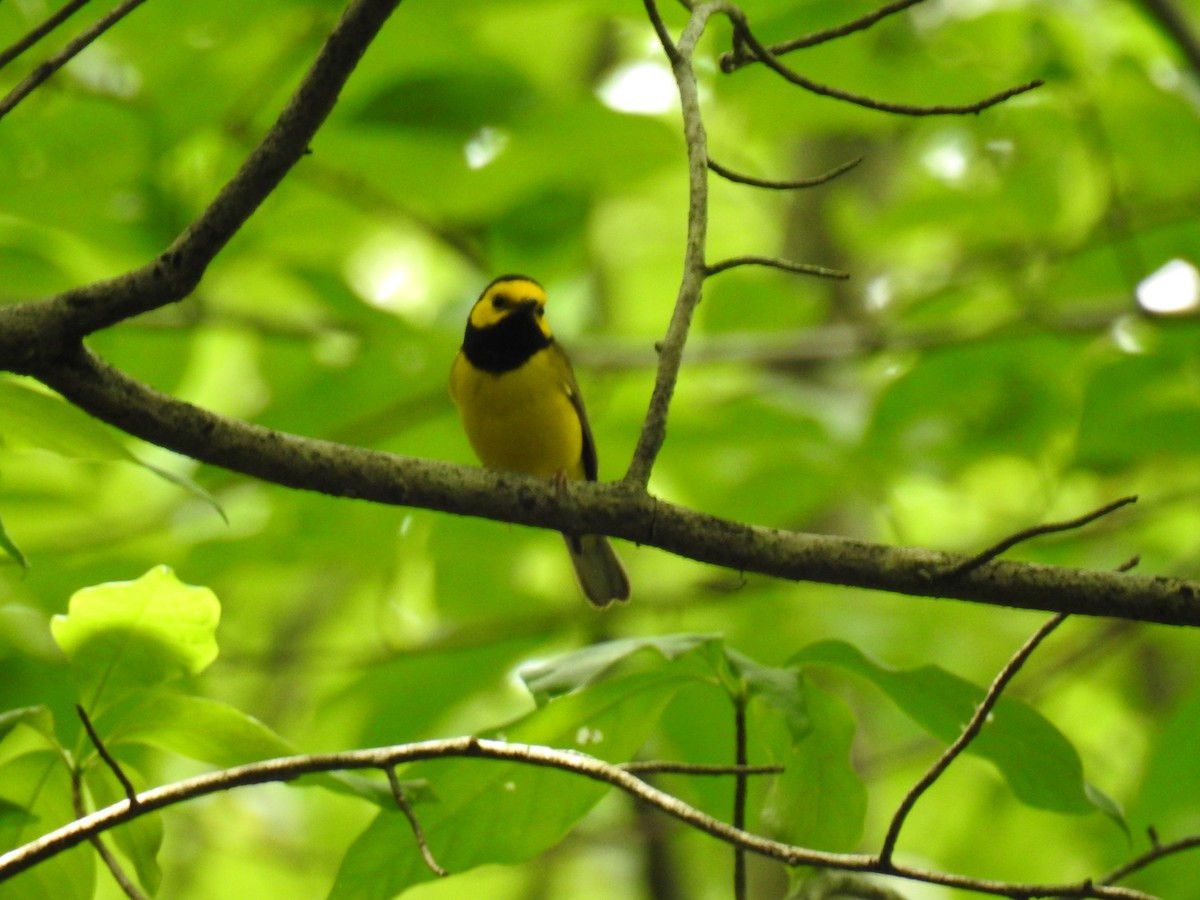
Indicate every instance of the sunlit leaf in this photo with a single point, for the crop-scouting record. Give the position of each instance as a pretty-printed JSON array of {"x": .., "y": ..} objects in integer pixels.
[{"x": 130, "y": 635}]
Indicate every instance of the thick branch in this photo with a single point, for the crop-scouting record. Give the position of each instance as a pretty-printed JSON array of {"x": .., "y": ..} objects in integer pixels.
[
  {"x": 50, "y": 327},
  {"x": 613, "y": 509},
  {"x": 386, "y": 758}
]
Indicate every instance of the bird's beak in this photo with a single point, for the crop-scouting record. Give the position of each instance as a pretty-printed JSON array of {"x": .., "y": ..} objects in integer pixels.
[{"x": 530, "y": 308}]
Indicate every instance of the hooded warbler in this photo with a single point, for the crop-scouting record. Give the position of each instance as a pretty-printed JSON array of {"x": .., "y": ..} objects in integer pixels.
[{"x": 521, "y": 409}]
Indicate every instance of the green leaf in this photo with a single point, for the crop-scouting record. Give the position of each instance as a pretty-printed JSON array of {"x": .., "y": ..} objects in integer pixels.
[
  {"x": 40, "y": 783},
  {"x": 538, "y": 806},
  {"x": 580, "y": 668},
  {"x": 127, "y": 636},
  {"x": 782, "y": 689},
  {"x": 1040, "y": 765},
  {"x": 39, "y": 718},
  {"x": 458, "y": 102},
  {"x": 32, "y": 417},
  {"x": 196, "y": 727},
  {"x": 819, "y": 800},
  {"x": 139, "y": 839}
]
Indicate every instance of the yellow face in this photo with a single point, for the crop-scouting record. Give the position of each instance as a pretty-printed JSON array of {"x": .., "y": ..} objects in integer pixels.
[{"x": 507, "y": 296}]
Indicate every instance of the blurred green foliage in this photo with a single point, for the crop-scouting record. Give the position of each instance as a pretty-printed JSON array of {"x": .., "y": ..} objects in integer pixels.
[{"x": 987, "y": 367}]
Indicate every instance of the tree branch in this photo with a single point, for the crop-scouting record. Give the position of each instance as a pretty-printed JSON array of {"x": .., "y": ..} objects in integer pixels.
[
  {"x": 670, "y": 350},
  {"x": 385, "y": 758},
  {"x": 613, "y": 509},
  {"x": 969, "y": 733},
  {"x": 42, "y": 72},
  {"x": 745, "y": 36},
  {"x": 51, "y": 327},
  {"x": 732, "y": 61},
  {"x": 40, "y": 31}
]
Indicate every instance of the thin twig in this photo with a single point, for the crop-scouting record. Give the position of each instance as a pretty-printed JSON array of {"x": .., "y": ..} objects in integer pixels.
[
  {"x": 1154, "y": 854},
  {"x": 969, "y": 565},
  {"x": 36, "y": 34},
  {"x": 733, "y": 61},
  {"x": 798, "y": 184},
  {"x": 773, "y": 263},
  {"x": 113, "y": 765},
  {"x": 51, "y": 327},
  {"x": 655, "y": 767},
  {"x": 418, "y": 831},
  {"x": 740, "y": 786},
  {"x": 969, "y": 733},
  {"x": 124, "y": 882},
  {"x": 670, "y": 357},
  {"x": 42, "y": 72},
  {"x": 738, "y": 18},
  {"x": 660, "y": 29}
]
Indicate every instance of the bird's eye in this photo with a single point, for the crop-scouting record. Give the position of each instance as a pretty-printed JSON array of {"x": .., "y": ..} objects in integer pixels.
[
  {"x": 541, "y": 311},
  {"x": 499, "y": 301}
]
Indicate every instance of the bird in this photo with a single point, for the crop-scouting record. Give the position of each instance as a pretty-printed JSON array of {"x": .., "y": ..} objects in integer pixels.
[{"x": 522, "y": 411}]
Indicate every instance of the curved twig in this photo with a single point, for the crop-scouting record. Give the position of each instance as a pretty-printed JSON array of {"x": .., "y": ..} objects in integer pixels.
[
  {"x": 53, "y": 326},
  {"x": 771, "y": 262},
  {"x": 289, "y": 768},
  {"x": 744, "y": 35},
  {"x": 1026, "y": 533},
  {"x": 968, "y": 734},
  {"x": 797, "y": 184},
  {"x": 734, "y": 60}
]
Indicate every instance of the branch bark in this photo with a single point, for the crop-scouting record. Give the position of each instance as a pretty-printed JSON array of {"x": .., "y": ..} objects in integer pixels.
[
  {"x": 613, "y": 509},
  {"x": 386, "y": 758}
]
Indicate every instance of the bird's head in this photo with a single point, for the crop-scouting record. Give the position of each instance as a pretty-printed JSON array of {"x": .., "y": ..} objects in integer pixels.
[{"x": 511, "y": 297}]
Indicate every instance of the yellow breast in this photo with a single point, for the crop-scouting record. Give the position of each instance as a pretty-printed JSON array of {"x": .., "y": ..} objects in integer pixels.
[{"x": 522, "y": 420}]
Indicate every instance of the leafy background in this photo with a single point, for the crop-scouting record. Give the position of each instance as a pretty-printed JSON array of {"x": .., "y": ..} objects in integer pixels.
[{"x": 987, "y": 367}]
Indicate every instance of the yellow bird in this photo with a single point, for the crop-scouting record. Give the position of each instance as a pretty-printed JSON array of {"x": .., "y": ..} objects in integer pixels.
[{"x": 521, "y": 409}]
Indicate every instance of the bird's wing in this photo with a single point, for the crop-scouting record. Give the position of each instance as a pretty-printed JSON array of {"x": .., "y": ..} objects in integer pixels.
[{"x": 591, "y": 467}]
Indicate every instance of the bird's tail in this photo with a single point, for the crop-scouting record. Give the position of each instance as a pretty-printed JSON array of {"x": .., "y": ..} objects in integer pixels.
[{"x": 599, "y": 570}]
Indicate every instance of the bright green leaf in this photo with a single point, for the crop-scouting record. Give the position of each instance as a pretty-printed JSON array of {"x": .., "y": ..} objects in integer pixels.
[{"x": 130, "y": 635}]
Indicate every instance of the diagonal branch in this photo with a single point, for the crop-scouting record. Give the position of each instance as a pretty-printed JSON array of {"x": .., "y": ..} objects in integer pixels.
[
  {"x": 968, "y": 734},
  {"x": 289, "y": 768},
  {"x": 731, "y": 62},
  {"x": 40, "y": 31},
  {"x": 41, "y": 73},
  {"x": 612, "y": 509},
  {"x": 745, "y": 36},
  {"x": 51, "y": 326}
]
